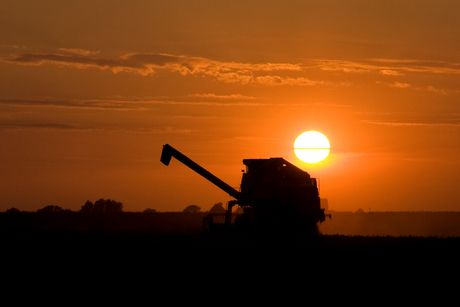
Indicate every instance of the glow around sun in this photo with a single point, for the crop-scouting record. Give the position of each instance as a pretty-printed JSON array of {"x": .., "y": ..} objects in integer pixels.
[{"x": 312, "y": 147}]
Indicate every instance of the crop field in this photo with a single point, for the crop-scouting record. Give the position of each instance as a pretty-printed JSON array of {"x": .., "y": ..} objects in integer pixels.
[{"x": 175, "y": 254}]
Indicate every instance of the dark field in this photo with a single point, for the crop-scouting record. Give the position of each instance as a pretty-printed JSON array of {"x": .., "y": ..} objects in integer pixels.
[
  {"x": 168, "y": 251},
  {"x": 419, "y": 224},
  {"x": 424, "y": 224}
]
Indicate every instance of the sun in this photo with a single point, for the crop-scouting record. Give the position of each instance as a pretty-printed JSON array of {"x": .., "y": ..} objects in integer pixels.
[{"x": 312, "y": 147}]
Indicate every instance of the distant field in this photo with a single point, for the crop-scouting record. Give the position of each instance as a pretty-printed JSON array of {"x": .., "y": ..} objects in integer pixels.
[{"x": 439, "y": 224}]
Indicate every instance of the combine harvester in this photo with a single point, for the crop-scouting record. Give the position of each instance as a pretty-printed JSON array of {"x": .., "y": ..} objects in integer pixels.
[{"x": 274, "y": 195}]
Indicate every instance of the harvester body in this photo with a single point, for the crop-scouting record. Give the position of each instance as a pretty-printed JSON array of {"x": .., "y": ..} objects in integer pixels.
[{"x": 273, "y": 191}]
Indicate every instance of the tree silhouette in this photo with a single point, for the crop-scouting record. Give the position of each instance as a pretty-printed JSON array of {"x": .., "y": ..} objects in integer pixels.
[
  {"x": 12, "y": 210},
  {"x": 87, "y": 207},
  {"x": 217, "y": 208},
  {"x": 51, "y": 209},
  {"x": 102, "y": 205},
  {"x": 192, "y": 209},
  {"x": 149, "y": 210},
  {"x": 99, "y": 205},
  {"x": 113, "y": 206}
]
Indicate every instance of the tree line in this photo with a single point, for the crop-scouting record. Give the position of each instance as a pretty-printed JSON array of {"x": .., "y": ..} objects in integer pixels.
[
  {"x": 101, "y": 205},
  {"x": 106, "y": 205}
]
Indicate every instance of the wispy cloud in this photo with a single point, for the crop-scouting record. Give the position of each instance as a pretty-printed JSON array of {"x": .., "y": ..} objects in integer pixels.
[
  {"x": 222, "y": 97},
  {"x": 269, "y": 74},
  {"x": 390, "y": 72},
  {"x": 253, "y": 138},
  {"x": 149, "y": 63},
  {"x": 392, "y": 67},
  {"x": 229, "y": 72},
  {"x": 35, "y": 125},
  {"x": 404, "y": 85},
  {"x": 396, "y": 84},
  {"x": 435, "y": 90},
  {"x": 277, "y": 80},
  {"x": 417, "y": 123},
  {"x": 420, "y": 66},
  {"x": 80, "y": 61},
  {"x": 346, "y": 66},
  {"x": 12, "y": 46},
  {"x": 101, "y": 104},
  {"x": 400, "y": 84},
  {"x": 79, "y": 51},
  {"x": 120, "y": 103},
  {"x": 137, "y": 103},
  {"x": 31, "y": 125}
]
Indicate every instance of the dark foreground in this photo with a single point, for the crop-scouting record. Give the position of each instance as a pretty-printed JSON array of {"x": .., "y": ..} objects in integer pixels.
[{"x": 109, "y": 260}]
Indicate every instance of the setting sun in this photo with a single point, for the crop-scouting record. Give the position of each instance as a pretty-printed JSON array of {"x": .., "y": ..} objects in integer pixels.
[{"x": 311, "y": 147}]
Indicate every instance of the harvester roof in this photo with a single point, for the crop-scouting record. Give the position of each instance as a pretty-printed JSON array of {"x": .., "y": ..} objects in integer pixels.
[{"x": 256, "y": 165}]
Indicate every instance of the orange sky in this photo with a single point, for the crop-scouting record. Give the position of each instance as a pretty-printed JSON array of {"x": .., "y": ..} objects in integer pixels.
[{"x": 91, "y": 90}]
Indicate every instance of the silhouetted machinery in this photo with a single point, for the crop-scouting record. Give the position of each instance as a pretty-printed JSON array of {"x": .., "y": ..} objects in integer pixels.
[{"x": 273, "y": 193}]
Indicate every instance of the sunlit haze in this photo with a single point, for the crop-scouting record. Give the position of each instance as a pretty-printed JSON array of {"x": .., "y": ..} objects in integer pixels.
[{"x": 90, "y": 91}]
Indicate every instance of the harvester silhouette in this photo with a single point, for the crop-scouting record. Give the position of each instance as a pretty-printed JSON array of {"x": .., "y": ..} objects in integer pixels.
[{"x": 274, "y": 194}]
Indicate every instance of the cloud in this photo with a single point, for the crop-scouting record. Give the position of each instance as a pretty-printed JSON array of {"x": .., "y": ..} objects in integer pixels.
[
  {"x": 80, "y": 61},
  {"x": 268, "y": 74},
  {"x": 229, "y": 72},
  {"x": 436, "y": 90},
  {"x": 136, "y": 103},
  {"x": 400, "y": 84},
  {"x": 253, "y": 138},
  {"x": 35, "y": 125},
  {"x": 12, "y": 46},
  {"x": 395, "y": 84},
  {"x": 345, "y": 66},
  {"x": 420, "y": 66},
  {"x": 99, "y": 104},
  {"x": 390, "y": 72},
  {"x": 79, "y": 51},
  {"x": 222, "y": 97},
  {"x": 149, "y": 63},
  {"x": 24, "y": 125},
  {"x": 416, "y": 123},
  {"x": 277, "y": 80},
  {"x": 389, "y": 67},
  {"x": 404, "y": 85},
  {"x": 120, "y": 103}
]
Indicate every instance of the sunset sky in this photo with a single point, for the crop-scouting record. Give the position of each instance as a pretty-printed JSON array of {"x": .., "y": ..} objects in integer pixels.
[{"x": 91, "y": 90}]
